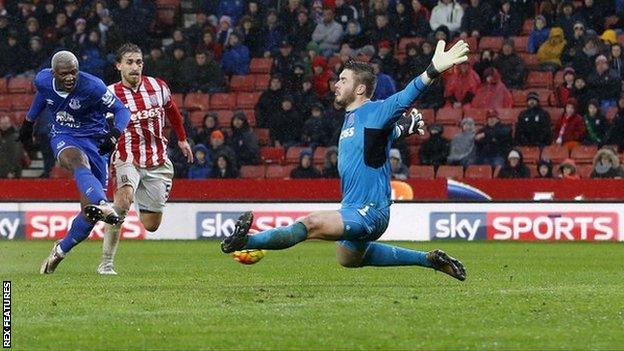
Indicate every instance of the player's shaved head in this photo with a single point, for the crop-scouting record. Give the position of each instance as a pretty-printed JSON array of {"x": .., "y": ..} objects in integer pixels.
[{"x": 64, "y": 58}]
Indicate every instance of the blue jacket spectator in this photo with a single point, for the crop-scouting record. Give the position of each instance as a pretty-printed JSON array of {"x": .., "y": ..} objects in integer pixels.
[
  {"x": 92, "y": 59},
  {"x": 272, "y": 34},
  {"x": 235, "y": 60},
  {"x": 232, "y": 8},
  {"x": 202, "y": 166},
  {"x": 385, "y": 84},
  {"x": 539, "y": 34},
  {"x": 129, "y": 21}
]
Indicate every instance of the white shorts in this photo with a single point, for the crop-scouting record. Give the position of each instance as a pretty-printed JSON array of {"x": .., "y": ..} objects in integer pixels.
[{"x": 151, "y": 185}]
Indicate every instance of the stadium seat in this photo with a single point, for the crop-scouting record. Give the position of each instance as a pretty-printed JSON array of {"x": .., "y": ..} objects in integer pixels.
[
  {"x": 224, "y": 117},
  {"x": 60, "y": 173},
  {"x": 414, "y": 156},
  {"x": 530, "y": 154},
  {"x": 478, "y": 114},
  {"x": 519, "y": 98},
  {"x": 491, "y": 43},
  {"x": 449, "y": 116},
  {"x": 17, "y": 117},
  {"x": 287, "y": 169},
  {"x": 247, "y": 100},
  {"x": 251, "y": 117},
  {"x": 544, "y": 96},
  {"x": 584, "y": 171},
  {"x": 537, "y": 79},
  {"x": 471, "y": 41},
  {"x": 403, "y": 42},
  {"x": 270, "y": 154},
  {"x": 428, "y": 115},
  {"x": 532, "y": 170},
  {"x": 319, "y": 155},
  {"x": 277, "y": 171},
  {"x": 450, "y": 131},
  {"x": 197, "y": 101},
  {"x": 222, "y": 101},
  {"x": 521, "y": 43},
  {"x": 3, "y": 86},
  {"x": 263, "y": 136},
  {"x": 21, "y": 102},
  {"x": 6, "y": 102},
  {"x": 178, "y": 99},
  {"x": 421, "y": 172},
  {"x": 197, "y": 118},
  {"x": 450, "y": 172},
  {"x": 583, "y": 154},
  {"x": 19, "y": 85},
  {"x": 242, "y": 83},
  {"x": 527, "y": 26},
  {"x": 261, "y": 81},
  {"x": 253, "y": 172},
  {"x": 414, "y": 140},
  {"x": 479, "y": 172},
  {"x": 260, "y": 65},
  {"x": 497, "y": 170},
  {"x": 621, "y": 39},
  {"x": 509, "y": 115},
  {"x": 292, "y": 154},
  {"x": 558, "y": 79},
  {"x": 555, "y": 153},
  {"x": 530, "y": 61},
  {"x": 555, "y": 114}
]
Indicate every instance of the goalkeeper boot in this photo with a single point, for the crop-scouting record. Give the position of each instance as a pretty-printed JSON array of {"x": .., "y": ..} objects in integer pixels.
[
  {"x": 447, "y": 264},
  {"x": 51, "y": 262},
  {"x": 103, "y": 212},
  {"x": 238, "y": 239}
]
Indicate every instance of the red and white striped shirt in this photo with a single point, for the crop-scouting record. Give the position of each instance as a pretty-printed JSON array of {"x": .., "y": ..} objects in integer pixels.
[{"x": 143, "y": 142}]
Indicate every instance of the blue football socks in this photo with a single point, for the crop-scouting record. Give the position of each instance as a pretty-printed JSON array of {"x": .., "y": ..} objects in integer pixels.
[
  {"x": 88, "y": 185},
  {"x": 278, "y": 238},
  {"x": 80, "y": 229},
  {"x": 378, "y": 254}
]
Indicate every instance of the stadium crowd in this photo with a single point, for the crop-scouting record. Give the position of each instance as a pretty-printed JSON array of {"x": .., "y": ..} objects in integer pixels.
[{"x": 545, "y": 78}]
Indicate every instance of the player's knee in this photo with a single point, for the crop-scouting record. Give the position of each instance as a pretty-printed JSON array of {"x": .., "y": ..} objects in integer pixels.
[
  {"x": 312, "y": 223},
  {"x": 349, "y": 261},
  {"x": 151, "y": 222},
  {"x": 73, "y": 158},
  {"x": 151, "y": 227}
]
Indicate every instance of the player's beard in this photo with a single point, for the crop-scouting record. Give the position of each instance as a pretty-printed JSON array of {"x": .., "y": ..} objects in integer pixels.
[
  {"x": 346, "y": 99},
  {"x": 133, "y": 80}
]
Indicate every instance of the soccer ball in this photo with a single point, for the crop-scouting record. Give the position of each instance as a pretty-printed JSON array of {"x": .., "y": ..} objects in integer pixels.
[{"x": 249, "y": 256}]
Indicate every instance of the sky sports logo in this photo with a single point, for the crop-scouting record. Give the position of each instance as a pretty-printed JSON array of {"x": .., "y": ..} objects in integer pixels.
[
  {"x": 218, "y": 225},
  {"x": 11, "y": 225},
  {"x": 524, "y": 226}
]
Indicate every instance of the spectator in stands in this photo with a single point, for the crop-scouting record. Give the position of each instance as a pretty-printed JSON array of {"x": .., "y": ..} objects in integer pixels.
[
  {"x": 447, "y": 13},
  {"x": 45, "y": 13},
  {"x": 225, "y": 30},
  {"x": 493, "y": 141},
  {"x": 434, "y": 150},
  {"x": 401, "y": 20},
  {"x": 538, "y": 35},
  {"x": 583, "y": 61},
  {"x": 592, "y": 15},
  {"x": 208, "y": 44},
  {"x": 385, "y": 84},
  {"x": 288, "y": 14},
  {"x": 549, "y": 54},
  {"x": 110, "y": 35},
  {"x": 533, "y": 126},
  {"x": 223, "y": 168},
  {"x": 334, "y": 116},
  {"x": 420, "y": 19},
  {"x": 388, "y": 65},
  {"x": 203, "y": 132},
  {"x": 506, "y": 22},
  {"x": 606, "y": 165},
  {"x": 322, "y": 74},
  {"x": 476, "y": 19},
  {"x": 514, "y": 167},
  {"x": 616, "y": 132},
  {"x": 305, "y": 169},
  {"x": 461, "y": 86},
  {"x": 178, "y": 62},
  {"x": 567, "y": 169},
  {"x": 129, "y": 21},
  {"x": 596, "y": 124},
  {"x": 269, "y": 102},
  {"x": 232, "y": 8},
  {"x": 236, "y": 58},
  {"x": 604, "y": 83},
  {"x": 305, "y": 97},
  {"x": 250, "y": 36},
  {"x": 254, "y": 12},
  {"x": 617, "y": 63},
  {"x": 511, "y": 66},
  {"x": 382, "y": 31},
  {"x": 36, "y": 56},
  {"x": 202, "y": 166},
  {"x": 315, "y": 131},
  {"x": 328, "y": 33},
  {"x": 61, "y": 29},
  {"x": 344, "y": 13},
  {"x": 544, "y": 169},
  {"x": 92, "y": 57},
  {"x": 272, "y": 34},
  {"x": 354, "y": 36},
  {"x": 609, "y": 38},
  {"x": 156, "y": 65},
  {"x": 580, "y": 93},
  {"x": 415, "y": 61},
  {"x": 441, "y": 33},
  {"x": 14, "y": 64},
  {"x": 32, "y": 28},
  {"x": 284, "y": 63},
  {"x": 330, "y": 167},
  {"x": 243, "y": 140},
  {"x": 202, "y": 74},
  {"x": 195, "y": 32},
  {"x": 301, "y": 34},
  {"x": 285, "y": 126},
  {"x": 398, "y": 170},
  {"x": 563, "y": 92},
  {"x": 462, "y": 148},
  {"x": 566, "y": 19},
  {"x": 218, "y": 147},
  {"x": 486, "y": 60},
  {"x": 11, "y": 150},
  {"x": 570, "y": 129},
  {"x": 79, "y": 38},
  {"x": 492, "y": 93}
]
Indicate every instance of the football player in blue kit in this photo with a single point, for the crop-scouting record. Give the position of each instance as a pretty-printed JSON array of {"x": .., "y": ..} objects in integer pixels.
[
  {"x": 81, "y": 139},
  {"x": 368, "y": 131}
]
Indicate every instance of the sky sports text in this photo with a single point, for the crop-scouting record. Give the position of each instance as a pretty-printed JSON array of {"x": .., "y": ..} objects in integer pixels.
[
  {"x": 218, "y": 225},
  {"x": 54, "y": 225},
  {"x": 6, "y": 314},
  {"x": 10, "y": 225},
  {"x": 524, "y": 226}
]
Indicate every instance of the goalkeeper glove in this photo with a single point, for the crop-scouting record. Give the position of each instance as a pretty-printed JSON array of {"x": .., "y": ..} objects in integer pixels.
[
  {"x": 444, "y": 60},
  {"x": 410, "y": 124},
  {"x": 110, "y": 142}
]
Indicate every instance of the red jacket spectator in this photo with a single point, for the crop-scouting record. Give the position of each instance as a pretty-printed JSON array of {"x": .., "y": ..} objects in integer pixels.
[
  {"x": 321, "y": 75},
  {"x": 563, "y": 92},
  {"x": 492, "y": 93},
  {"x": 461, "y": 85},
  {"x": 570, "y": 129}
]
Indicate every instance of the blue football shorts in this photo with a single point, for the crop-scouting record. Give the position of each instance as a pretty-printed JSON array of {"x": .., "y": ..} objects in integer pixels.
[{"x": 89, "y": 146}]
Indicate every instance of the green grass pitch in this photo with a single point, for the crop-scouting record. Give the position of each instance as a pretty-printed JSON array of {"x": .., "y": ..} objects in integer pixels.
[{"x": 186, "y": 295}]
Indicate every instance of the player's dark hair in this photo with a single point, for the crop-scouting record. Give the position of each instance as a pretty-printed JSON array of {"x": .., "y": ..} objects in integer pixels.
[
  {"x": 363, "y": 73},
  {"x": 126, "y": 49}
]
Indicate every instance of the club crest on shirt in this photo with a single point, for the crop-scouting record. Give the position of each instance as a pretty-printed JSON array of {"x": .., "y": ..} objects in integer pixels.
[
  {"x": 350, "y": 120},
  {"x": 154, "y": 100},
  {"x": 74, "y": 103},
  {"x": 50, "y": 101}
]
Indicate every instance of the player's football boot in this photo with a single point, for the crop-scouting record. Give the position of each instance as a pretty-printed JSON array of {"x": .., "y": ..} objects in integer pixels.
[
  {"x": 106, "y": 268},
  {"x": 447, "y": 264},
  {"x": 103, "y": 212},
  {"x": 238, "y": 239},
  {"x": 51, "y": 262}
]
